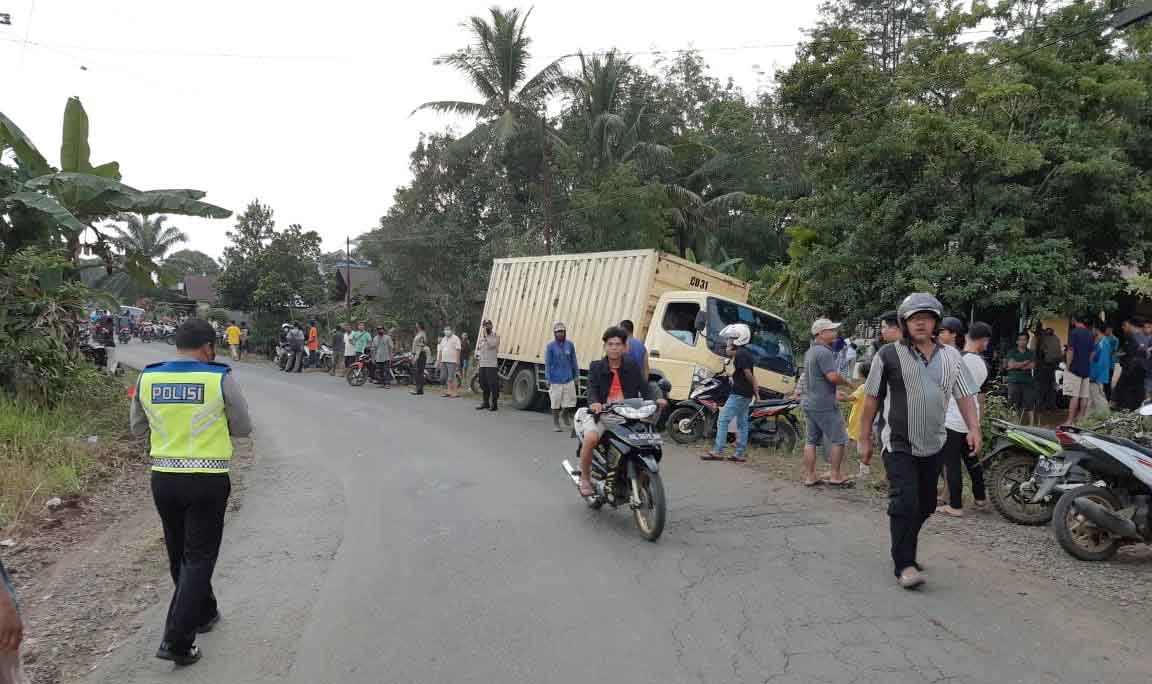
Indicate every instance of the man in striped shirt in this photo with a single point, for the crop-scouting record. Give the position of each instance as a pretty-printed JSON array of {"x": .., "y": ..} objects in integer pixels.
[{"x": 913, "y": 380}]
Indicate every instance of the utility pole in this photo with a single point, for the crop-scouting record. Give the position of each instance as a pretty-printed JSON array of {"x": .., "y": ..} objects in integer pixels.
[{"x": 348, "y": 277}]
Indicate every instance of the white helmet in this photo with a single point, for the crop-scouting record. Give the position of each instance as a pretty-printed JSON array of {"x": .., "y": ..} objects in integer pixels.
[{"x": 738, "y": 334}]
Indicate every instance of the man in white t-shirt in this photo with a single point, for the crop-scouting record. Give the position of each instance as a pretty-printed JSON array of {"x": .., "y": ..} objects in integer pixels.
[
  {"x": 450, "y": 361},
  {"x": 956, "y": 453}
]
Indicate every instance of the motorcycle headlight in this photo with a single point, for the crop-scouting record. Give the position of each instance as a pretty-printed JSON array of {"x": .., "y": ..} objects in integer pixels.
[{"x": 633, "y": 413}]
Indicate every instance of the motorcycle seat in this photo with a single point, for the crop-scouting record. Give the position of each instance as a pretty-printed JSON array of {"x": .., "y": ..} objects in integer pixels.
[
  {"x": 761, "y": 403},
  {"x": 1042, "y": 433}
]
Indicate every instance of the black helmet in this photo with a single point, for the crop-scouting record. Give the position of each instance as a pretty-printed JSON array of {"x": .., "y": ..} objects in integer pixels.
[{"x": 953, "y": 324}]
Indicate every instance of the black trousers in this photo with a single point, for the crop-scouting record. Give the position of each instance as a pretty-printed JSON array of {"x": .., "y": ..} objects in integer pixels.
[
  {"x": 419, "y": 379},
  {"x": 1046, "y": 395},
  {"x": 191, "y": 507},
  {"x": 490, "y": 385},
  {"x": 956, "y": 454},
  {"x": 911, "y": 501},
  {"x": 1130, "y": 388}
]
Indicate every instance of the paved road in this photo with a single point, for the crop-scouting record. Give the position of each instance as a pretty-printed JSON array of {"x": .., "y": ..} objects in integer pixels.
[{"x": 389, "y": 538}]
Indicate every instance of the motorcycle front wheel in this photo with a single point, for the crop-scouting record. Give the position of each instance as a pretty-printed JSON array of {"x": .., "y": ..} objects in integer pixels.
[
  {"x": 357, "y": 376},
  {"x": 170, "y": 338},
  {"x": 685, "y": 425},
  {"x": 1079, "y": 536},
  {"x": 653, "y": 510}
]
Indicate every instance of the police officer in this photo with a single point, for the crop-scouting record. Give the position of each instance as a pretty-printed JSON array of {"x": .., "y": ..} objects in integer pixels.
[{"x": 192, "y": 407}]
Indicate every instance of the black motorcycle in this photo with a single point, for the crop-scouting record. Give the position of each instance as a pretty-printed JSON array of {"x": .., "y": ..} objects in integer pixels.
[
  {"x": 626, "y": 466},
  {"x": 771, "y": 422}
]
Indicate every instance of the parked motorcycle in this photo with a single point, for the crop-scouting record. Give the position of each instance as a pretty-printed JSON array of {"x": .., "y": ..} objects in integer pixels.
[
  {"x": 771, "y": 421},
  {"x": 124, "y": 335},
  {"x": 358, "y": 372},
  {"x": 1013, "y": 466},
  {"x": 1093, "y": 521},
  {"x": 626, "y": 466},
  {"x": 324, "y": 359}
]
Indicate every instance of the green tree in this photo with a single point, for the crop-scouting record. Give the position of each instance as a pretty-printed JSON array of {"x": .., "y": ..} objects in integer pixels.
[
  {"x": 145, "y": 242},
  {"x": 189, "y": 262},
  {"x": 496, "y": 63}
]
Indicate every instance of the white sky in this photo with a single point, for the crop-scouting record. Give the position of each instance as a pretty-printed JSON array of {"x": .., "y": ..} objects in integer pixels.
[{"x": 320, "y": 128}]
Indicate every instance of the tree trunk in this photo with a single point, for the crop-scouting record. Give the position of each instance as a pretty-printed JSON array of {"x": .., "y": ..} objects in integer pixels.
[{"x": 546, "y": 183}]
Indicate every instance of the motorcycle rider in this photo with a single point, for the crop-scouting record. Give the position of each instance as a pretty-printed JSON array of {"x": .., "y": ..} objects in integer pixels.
[
  {"x": 744, "y": 392},
  {"x": 612, "y": 379},
  {"x": 913, "y": 380}
]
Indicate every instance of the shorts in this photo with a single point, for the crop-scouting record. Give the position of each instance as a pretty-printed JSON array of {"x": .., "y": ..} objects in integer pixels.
[
  {"x": 827, "y": 424},
  {"x": 562, "y": 395},
  {"x": 585, "y": 423},
  {"x": 449, "y": 372},
  {"x": 1076, "y": 386},
  {"x": 1022, "y": 396}
]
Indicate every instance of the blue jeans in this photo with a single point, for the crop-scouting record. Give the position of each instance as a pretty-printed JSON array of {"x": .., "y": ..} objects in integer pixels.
[{"x": 736, "y": 407}]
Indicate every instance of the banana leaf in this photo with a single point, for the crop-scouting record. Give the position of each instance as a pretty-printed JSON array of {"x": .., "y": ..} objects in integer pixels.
[
  {"x": 46, "y": 207},
  {"x": 74, "y": 150},
  {"x": 21, "y": 144}
]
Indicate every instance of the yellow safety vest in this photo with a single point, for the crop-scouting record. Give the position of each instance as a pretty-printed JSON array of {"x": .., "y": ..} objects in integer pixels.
[{"x": 184, "y": 401}]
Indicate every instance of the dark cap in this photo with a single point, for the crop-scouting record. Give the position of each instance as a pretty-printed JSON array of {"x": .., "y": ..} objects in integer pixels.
[{"x": 952, "y": 324}]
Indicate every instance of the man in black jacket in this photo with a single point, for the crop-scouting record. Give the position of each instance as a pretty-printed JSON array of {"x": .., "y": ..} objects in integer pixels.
[{"x": 612, "y": 379}]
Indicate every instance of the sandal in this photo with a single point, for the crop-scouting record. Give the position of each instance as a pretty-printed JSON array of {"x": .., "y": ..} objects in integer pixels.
[
  {"x": 842, "y": 484},
  {"x": 711, "y": 456},
  {"x": 814, "y": 483},
  {"x": 738, "y": 458},
  {"x": 948, "y": 510}
]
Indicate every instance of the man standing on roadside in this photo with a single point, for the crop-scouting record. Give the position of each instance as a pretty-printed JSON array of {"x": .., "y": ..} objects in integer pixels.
[
  {"x": 420, "y": 354},
  {"x": 1021, "y": 389},
  {"x": 450, "y": 361},
  {"x": 956, "y": 453},
  {"x": 349, "y": 348},
  {"x": 383, "y": 357},
  {"x": 337, "y": 350},
  {"x": 912, "y": 380},
  {"x": 313, "y": 344},
  {"x": 1101, "y": 373},
  {"x": 296, "y": 344},
  {"x": 1048, "y": 357},
  {"x": 562, "y": 370},
  {"x": 190, "y": 407},
  {"x": 951, "y": 329},
  {"x": 232, "y": 332},
  {"x": 1077, "y": 385},
  {"x": 821, "y": 412},
  {"x": 360, "y": 339},
  {"x": 636, "y": 349},
  {"x": 488, "y": 359}
]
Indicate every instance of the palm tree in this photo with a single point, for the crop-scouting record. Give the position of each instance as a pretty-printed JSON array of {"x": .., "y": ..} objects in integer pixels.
[
  {"x": 497, "y": 65},
  {"x": 145, "y": 242}
]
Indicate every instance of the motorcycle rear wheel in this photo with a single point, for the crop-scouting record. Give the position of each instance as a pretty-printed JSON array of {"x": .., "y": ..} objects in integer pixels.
[
  {"x": 653, "y": 510},
  {"x": 1079, "y": 537},
  {"x": 685, "y": 425},
  {"x": 1004, "y": 480},
  {"x": 357, "y": 376}
]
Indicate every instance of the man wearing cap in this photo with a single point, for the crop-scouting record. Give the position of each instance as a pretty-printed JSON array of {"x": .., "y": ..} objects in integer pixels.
[
  {"x": 487, "y": 361},
  {"x": 562, "y": 370},
  {"x": 822, "y": 414},
  {"x": 951, "y": 328},
  {"x": 913, "y": 380},
  {"x": 190, "y": 407}
]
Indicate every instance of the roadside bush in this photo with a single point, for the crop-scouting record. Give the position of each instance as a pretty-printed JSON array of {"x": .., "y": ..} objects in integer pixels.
[{"x": 39, "y": 312}]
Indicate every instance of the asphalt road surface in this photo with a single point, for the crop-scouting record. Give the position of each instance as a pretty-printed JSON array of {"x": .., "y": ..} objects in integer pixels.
[{"x": 391, "y": 538}]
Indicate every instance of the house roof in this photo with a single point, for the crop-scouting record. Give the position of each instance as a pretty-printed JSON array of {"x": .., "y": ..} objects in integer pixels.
[
  {"x": 366, "y": 282},
  {"x": 200, "y": 288}
]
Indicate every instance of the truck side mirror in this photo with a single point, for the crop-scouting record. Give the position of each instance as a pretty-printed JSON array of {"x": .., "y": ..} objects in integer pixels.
[{"x": 701, "y": 321}]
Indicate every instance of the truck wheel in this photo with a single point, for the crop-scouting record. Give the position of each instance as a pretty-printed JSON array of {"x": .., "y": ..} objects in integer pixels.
[{"x": 524, "y": 388}]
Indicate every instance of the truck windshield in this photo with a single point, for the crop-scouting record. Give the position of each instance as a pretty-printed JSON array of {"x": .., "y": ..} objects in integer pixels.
[{"x": 771, "y": 344}]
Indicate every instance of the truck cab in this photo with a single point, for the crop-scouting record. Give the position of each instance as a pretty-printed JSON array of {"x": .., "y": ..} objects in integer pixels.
[{"x": 683, "y": 335}]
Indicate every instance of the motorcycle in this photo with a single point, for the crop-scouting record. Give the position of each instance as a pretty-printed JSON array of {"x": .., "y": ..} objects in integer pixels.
[
  {"x": 358, "y": 372},
  {"x": 771, "y": 421},
  {"x": 1093, "y": 521},
  {"x": 626, "y": 466},
  {"x": 325, "y": 359},
  {"x": 124, "y": 335},
  {"x": 1026, "y": 473},
  {"x": 403, "y": 366}
]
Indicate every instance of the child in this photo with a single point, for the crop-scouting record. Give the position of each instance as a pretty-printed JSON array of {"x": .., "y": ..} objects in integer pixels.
[{"x": 857, "y": 399}]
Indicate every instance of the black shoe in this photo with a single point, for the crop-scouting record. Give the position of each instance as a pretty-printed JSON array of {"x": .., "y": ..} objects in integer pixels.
[
  {"x": 416, "y": 394},
  {"x": 208, "y": 626},
  {"x": 188, "y": 656},
  {"x": 492, "y": 409},
  {"x": 481, "y": 407}
]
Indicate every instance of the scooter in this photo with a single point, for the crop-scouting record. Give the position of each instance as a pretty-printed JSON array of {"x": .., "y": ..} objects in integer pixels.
[
  {"x": 1093, "y": 521},
  {"x": 1027, "y": 472}
]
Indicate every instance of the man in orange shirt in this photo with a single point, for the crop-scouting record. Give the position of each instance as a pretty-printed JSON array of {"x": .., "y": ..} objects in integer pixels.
[{"x": 313, "y": 344}]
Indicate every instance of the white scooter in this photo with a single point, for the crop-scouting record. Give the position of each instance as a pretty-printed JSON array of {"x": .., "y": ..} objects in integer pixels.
[{"x": 1093, "y": 521}]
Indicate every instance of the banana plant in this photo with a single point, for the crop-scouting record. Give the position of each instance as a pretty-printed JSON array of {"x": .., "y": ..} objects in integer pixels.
[{"x": 45, "y": 205}]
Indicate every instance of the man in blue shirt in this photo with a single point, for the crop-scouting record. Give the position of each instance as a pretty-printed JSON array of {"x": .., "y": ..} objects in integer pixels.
[
  {"x": 562, "y": 370},
  {"x": 1102, "y": 361},
  {"x": 1078, "y": 358},
  {"x": 636, "y": 349}
]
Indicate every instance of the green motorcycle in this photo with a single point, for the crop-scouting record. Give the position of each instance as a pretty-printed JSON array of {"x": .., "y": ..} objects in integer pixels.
[{"x": 1010, "y": 467}]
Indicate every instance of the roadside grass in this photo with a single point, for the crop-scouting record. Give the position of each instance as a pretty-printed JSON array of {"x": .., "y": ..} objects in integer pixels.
[{"x": 46, "y": 452}]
